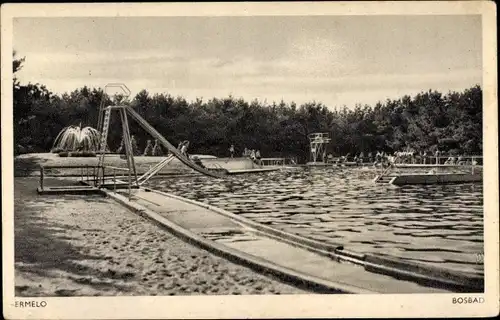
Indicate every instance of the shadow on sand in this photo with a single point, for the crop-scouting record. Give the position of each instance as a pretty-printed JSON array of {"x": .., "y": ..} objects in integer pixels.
[
  {"x": 24, "y": 166},
  {"x": 43, "y": 247}
]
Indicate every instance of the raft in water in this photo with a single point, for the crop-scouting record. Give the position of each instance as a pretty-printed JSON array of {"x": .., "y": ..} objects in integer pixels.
[{"x": 442, "y": 178}]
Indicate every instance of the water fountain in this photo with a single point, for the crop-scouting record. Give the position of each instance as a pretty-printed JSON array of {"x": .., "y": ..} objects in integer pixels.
[{"x": 76, "y": 138}]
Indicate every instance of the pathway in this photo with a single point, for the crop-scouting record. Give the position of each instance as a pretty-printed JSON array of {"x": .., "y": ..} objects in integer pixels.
[{"x": 230, "y": 238}]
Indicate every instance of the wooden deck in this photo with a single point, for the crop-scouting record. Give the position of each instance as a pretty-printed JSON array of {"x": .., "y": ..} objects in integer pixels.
[
  {"x": 255, "y": 170},
  {"x": 405, "y": 179}
]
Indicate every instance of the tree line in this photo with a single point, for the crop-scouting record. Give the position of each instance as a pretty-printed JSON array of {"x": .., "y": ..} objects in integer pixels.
[{"x": 428, "y": 121}]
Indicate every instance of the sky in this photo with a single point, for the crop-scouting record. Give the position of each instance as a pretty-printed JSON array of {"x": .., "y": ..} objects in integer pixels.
[{"x": 336, "y": 60}]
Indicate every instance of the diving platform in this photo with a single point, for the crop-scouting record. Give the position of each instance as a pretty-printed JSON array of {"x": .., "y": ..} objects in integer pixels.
[
  {"x": 430, "y": 166},
  {"x": 407, "y": 174},
  {"x": 252, "y": 170}
]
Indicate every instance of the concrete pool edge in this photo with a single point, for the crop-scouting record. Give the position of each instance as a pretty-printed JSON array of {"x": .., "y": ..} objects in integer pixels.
[
  {"x": 387, "y": 265},
  {"x": 392, "y": 266},
  {"x": 265, "y": 267}
]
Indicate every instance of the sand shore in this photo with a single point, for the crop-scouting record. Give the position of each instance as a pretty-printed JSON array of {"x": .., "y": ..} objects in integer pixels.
[{"x": 91, "y": 246}]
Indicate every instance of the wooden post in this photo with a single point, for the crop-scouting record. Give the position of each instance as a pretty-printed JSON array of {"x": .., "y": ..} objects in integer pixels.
[
  {"x": 103, "y": 174},
  {"x": 128, "y": 148},
  {"x": 41, "y": 177},
  {"x": 129, "y": 185},
  {"x": 132, "y": 161},
  {"x": 114, "y": 177}
]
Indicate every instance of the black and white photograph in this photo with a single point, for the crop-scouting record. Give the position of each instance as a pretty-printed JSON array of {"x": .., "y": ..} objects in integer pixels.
[{"x": 240, "y": 160}]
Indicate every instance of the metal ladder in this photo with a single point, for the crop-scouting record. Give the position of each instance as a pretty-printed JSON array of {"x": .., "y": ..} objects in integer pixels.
[
  {"x": 127, "y": 143},
  {"x": 104, "y": 140}
]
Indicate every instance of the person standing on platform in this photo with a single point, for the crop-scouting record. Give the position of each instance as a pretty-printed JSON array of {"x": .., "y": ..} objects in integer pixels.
[
  {"x": 135, "y": 147},
  {"x": 252, "y": 155},
  {"x": 184, "y": 148},
  {"x": 231, "y": 150},
  {"x": 148, "y": 151},
  {"x": 257, "y": 157},
  {"x": 157, "y": 151}
]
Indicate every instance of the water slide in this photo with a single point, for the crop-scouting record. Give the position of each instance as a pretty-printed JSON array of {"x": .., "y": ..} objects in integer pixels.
[{"x": 152, "y": 131}]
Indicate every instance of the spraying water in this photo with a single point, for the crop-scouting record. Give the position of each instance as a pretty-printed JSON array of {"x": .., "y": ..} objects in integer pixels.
[{"x": 76, "y": 138}]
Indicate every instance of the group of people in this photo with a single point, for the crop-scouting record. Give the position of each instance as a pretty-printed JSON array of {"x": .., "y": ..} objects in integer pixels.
[
  {"x": 153, "y": 150},
  {"x": 252, "y": 154},
  {"x": 156, "y": 150},
  {"x": 424, "y": 157},
  {"x": 378, "y": 158},
  {"x": 460, "y": 161},
  {"x": 408, "y": 156},
  {"x": 183, "y": 147}
]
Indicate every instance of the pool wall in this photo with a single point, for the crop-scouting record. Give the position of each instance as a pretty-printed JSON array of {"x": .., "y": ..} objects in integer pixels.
[{"x": 239, "y": 163}]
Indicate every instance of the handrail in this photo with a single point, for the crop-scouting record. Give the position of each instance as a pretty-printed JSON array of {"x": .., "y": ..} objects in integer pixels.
[
  {"x": 117, "y": 168},
  {"x": 386, "y": 170},
  {"x": 154, "y": 170},
  {"x": 68, "y": 166},
  {"x": 276, "y": 161},
  {"x": 88, "y": 176}
]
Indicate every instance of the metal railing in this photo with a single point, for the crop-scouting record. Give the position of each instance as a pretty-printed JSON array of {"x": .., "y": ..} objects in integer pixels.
[
  {"x": 154, "y": 170},
  {"x": 90, "y": 175},
  {"x": 386, "y": 170},
  {"x": 415, "y": 160},
  {"x": 466, "y": 165},
  {"x": 442, "y": 160},
  {"x": 85, "y": 171},
  {"x": 129, "y": 176},
  {"x": 278, "y": 161}
]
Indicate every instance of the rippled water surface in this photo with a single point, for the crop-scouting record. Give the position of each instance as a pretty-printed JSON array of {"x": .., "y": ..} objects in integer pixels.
[{"x": 435, "y": 224}]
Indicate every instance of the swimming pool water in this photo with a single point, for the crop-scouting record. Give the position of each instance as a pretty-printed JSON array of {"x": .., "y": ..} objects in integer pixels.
[{"x": 440, "y": 225}]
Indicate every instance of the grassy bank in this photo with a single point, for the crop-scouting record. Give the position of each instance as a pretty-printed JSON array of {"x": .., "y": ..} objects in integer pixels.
[{"x": 89, "y": 245}]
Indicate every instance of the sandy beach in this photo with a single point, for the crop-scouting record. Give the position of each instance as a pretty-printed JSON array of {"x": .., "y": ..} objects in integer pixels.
[{"x": 69, "y": 245}]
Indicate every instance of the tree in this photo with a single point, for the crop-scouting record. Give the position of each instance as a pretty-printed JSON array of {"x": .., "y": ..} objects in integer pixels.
[{"x": 426, "y": 121}]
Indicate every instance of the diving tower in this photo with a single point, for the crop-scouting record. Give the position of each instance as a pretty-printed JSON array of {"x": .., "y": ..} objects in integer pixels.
[{"x": 318, "y": 142}]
